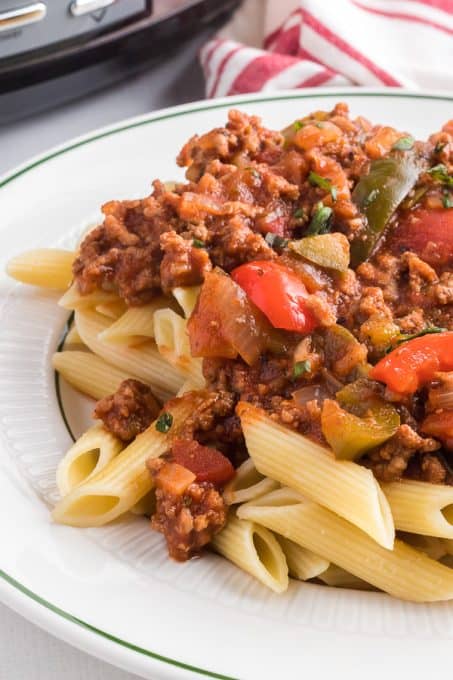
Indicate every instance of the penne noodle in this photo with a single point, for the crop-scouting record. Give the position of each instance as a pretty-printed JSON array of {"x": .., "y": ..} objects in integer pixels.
[
  {"x": 344, "y": 487},
  {"x": 88, "y": 373},
  {"x": 255, "y": 550},
  {"x": 90, "y": 454},
  {"x": 123, "y": 482},
  {"x": 431, "y": 546},
  {"x": 186, "y": 297},
  {"x": 72, "y": 338},
  {"x": 46, "y": 267},
  {"x": 172, "y": 340},
  {"x": 247, "y": 484},
  {"x": 449, "y": 547},
  {"x": 73, "y": 299},
  {"x": 403, "y": 572},
  {"x": 421, "y": 508},
  {"x": 302, "y": 563},
  {"x": 340, "y": 578},
  {"x": 143, "y": 362},
  {"x": 187, "y": 386},
  {"x": 136, "y": 324},
  {"x": 113, "y": 309}
]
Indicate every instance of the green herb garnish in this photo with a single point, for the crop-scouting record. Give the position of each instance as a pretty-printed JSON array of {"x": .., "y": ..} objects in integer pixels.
[
  {"x": 320, "y": 222},
  {"x": 439, "y": 146},
  {"x": 447, "y": 200},
  {"x": 198, "y": 244},
  {"x": 406, "y": 337},
  {"x": 301, "y": 367},
  {"x": 320, "y": 125},
  {"x": 299, "y": 214},
  {"x": 164, "y": 422},
  {"x": 323, "y": 183},
  {"x": 298, "y": 125},
  {"x": 403, "y": 144},
  {"x": 440, "y": 174},
  {"x": 275, "y": 241}
]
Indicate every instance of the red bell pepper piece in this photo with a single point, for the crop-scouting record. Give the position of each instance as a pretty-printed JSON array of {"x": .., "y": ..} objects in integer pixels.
[
  {"x": 415, "y": 362},
  {"x": 278, "y": 293},
  {"x": 207, "y": 464}
]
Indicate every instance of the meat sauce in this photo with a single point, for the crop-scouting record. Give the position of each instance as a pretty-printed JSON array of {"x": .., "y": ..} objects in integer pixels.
[{"x": 320, "y": 249}]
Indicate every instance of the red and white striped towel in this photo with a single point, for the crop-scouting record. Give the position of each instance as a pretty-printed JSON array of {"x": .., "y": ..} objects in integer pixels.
[{"x": 303, "y": 43}]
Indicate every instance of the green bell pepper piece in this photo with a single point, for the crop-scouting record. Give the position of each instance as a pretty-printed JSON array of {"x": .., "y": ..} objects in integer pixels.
[
  {"x": 378, "y": 194},
  {"x": 326, "y": 250}
]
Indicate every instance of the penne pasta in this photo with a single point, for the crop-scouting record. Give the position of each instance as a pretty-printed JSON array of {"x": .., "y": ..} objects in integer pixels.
[
  {"x": 344, "y": 487},
  {"x": 73, "y": 299},
  {"x": 302, "y": 563},
  {"x": 172, "y": 340},
  {"x": 90, "y": 454},
  {"x": 431, "y": 546},
  {"x": 340, "y": 578},
  {"x": 45, "y": 267},
  {"x": 186, "y": 297},
  {"x": 123, "y": 482},
  {"x": 421, "y": 508},
  {"x": 144, "y": 362},
  {"x": 247, "y": 484},
  {"x": 255, "y": 550},
  {"x": 113, "y": 309},
  {"x": 72, "y": 338},
  {"x": 403, "y": 572},
  {"x": 449, "y": 547},
  {"x": 88, "y": 373},
  {"x": 136, "y": 324}
]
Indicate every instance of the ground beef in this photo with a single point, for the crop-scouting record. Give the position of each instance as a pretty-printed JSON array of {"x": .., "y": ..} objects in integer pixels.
[
  {"x": 182, "y": 263},
  {"x": 390, "y": 461},
  {"x": 244, "y": 181},
  {"x": 214, "y": 423},
  {"x": 268, "y": 385},
  {"x": 188, "y": 520},
  {"x": 129, "y": 411}
]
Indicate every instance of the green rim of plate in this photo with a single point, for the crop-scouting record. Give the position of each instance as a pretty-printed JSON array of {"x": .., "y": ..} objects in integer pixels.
[{"x": 93, "y": 138}]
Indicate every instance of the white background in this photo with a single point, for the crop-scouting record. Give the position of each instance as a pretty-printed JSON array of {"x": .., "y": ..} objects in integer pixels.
[{"x": 26, "y": 652}]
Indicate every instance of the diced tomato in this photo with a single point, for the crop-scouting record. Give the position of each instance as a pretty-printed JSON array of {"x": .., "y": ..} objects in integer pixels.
[
  {"x": 207, "y": 464},
  {"x": 415, "y": 362},
  {"x": 424, "y": 226},
  {"x": 278, "y": 293},
  {"x": 440, "y": 425}
]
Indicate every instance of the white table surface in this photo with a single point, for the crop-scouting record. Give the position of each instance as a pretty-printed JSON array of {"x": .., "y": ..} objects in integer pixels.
[{"x": 26, "y": 652}]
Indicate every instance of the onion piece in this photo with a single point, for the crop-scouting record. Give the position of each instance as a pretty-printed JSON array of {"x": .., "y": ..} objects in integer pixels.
[
  {"x": 225, "y": 323},
  {"x": 310, "y": 393}
]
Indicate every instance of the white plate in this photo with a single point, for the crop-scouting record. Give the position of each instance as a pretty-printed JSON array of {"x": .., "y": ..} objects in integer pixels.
[{"x": 111, "y": 591}]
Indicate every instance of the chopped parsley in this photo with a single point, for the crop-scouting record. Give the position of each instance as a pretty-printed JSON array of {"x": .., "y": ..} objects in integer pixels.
[
  {"x": 403, "y": 144},
  {"x": 320, "y": 222},
  {"x": 164, "y": 422},
  {"x": 447, "y": 200},
  {"x": 275, "y": 241},
  {"x": 253, "y": 171},
  {"x": 405, "y": 338},
  {"x": 301, "y": 367},
  {"x": 323, "y": 183},
  {"x": 298, "y": 125},
  {"x": 299, "y": 214},
  {"x": 439, "y": 146},
  {"x": 440, "y": 174},
  {"x": 198, "y": 244}
]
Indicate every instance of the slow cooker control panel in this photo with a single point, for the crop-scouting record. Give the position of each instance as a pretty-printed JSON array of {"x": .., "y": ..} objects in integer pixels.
[{"x": 26, "y": 26}]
